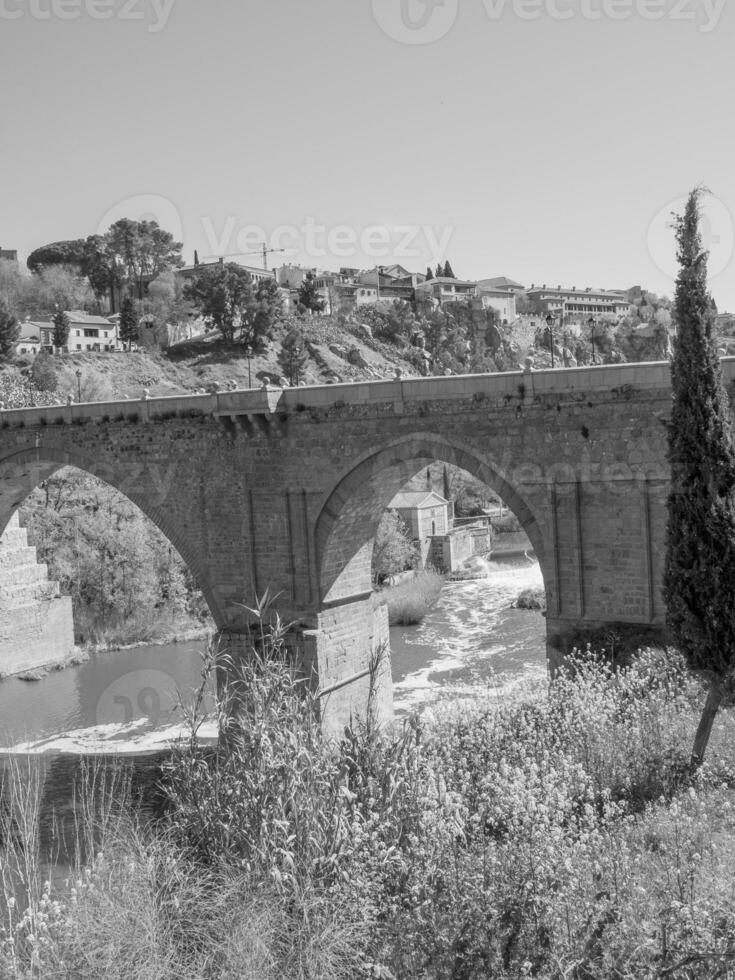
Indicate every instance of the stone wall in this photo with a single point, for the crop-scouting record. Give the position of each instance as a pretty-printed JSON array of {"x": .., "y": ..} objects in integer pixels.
[
  {"x": 282, "y": 490},
  {"x": 36, "y": 625}
]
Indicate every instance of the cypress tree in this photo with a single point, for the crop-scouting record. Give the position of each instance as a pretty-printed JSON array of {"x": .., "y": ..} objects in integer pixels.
[
  {"x": 448, "y": 271},
  {"x": 429, "y": 273},
  {"x": 128, "y": 323},
  {"x": 9, "y": 331},
  {"x": 439, "y": 270},
  {"x": 700, "y": 535},
  {"x": 61, "y": 329}
]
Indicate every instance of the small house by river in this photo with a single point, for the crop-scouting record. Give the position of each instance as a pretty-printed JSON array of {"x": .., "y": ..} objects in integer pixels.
[{"x": 442, "y": 544}]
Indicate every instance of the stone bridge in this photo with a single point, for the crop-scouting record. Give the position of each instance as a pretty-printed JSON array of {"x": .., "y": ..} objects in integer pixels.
[{"x": 283, "y": 489}]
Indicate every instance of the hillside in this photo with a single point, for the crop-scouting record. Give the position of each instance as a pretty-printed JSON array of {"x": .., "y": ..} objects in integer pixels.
[
  {"x": 332, "y": 355},
  {"x": 336, "y": 350}
]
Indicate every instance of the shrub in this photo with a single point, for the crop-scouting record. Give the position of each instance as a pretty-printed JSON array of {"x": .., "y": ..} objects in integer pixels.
[
  {"x": 410, "y": 601},
  {"x": 553, "y": 834}
]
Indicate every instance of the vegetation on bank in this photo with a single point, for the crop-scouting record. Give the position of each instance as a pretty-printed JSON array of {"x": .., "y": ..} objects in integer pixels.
[
  {"x": 127, "y": 583},
  {"x": 534, "y": 599},
  {"x": 556, "y": 835},
  {"x": 411, "y": 600}
]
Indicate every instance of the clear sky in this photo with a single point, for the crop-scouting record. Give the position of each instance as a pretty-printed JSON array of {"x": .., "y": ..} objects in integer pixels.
[{"x": 544, "y": 140}]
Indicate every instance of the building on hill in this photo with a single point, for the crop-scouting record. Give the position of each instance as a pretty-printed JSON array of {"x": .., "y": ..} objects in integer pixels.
[
  {"x": 187, "y": 272},
  {"x": 8, "y": 255},
  {"x": 502, "y": 300},
  {"x": 577, "y": 305},
  {"x": 502, "y": 282},
  {"x": 444, "y": 290},
  {"x": 350, "y": 289},
  {"x": 87, "y": 332}
]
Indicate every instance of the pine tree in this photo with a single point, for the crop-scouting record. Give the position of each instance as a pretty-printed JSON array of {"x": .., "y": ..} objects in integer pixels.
[
  {"x": 61, "y": 329},
  {"x": 9, "y": 331},
  {"x": 292, "y": 357},
  {"x": 429, "y": 273},
  {"x": 448, "y": 272},
  {"x": 700, "y": 534},
  {"x": 439, "y": 270},
  {"x": 128, "y": 322}
]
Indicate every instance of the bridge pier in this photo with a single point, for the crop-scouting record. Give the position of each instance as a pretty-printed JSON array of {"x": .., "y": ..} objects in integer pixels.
[{"x": 345, "y": 657}]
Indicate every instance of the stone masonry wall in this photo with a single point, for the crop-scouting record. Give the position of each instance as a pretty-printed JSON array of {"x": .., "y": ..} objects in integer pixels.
[
  {"x": 282, "y": 490},
  {"x": 36, "y": 625}
]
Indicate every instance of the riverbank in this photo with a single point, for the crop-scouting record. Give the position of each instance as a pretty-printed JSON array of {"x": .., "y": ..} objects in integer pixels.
[{"x": 162, "y": 634}]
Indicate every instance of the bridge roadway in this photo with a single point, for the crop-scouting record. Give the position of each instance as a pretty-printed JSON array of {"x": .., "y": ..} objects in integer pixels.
[{"x": 284, "y": 488}]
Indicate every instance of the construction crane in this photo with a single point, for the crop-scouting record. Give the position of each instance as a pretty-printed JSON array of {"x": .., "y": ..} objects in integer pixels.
[{"x": 264, "y": 251}]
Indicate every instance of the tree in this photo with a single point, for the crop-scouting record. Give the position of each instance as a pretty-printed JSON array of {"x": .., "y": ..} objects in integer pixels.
[
  {"x": 223, "y": 294},
  {"x": 9, "y": 331},
  {"x": 61, "y": 329},
  {"x": 13, "y": 285},
  {"x": 57, "y": 287},
  {"x": 128, "y": 323},
  {"x": 139, "y": 251},
  {"x": 439, "y": 270},
  {"x": 309, "y": 298},
  {"x": 268, "y": 310},
  {"x": 292, "y": 357},
  {"x": 43, "y": 372},
  {"x": 700, "y": 533},
  {"x": 393, "y": 549},
  {"x": 58, "y": 253},
  {"x": 448, "y": 271},
  {"x": 429, "y": 273},
  {"x": 165, "y": 307}
]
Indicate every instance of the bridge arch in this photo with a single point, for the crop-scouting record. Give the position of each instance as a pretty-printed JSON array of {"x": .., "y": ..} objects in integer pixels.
[
  {"x": 350, "y": 515},
  {"x": 23, "y": 471}
]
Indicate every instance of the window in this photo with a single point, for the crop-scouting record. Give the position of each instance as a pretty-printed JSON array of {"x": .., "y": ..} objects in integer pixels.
[
  {"x": 77, "y": 334},
  {"x": 79, "y": 346},
  {"x": 89, "y": 332}
]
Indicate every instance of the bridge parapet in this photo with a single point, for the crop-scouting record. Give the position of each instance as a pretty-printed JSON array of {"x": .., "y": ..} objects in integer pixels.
[{"x": 269, "y": 401}]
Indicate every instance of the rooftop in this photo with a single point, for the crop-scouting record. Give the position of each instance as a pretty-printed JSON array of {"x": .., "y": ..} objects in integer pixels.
[{"x": 407, "y": 499}]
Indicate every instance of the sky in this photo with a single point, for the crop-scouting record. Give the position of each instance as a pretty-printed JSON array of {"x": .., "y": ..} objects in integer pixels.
[{"x": 543, "y": 140}]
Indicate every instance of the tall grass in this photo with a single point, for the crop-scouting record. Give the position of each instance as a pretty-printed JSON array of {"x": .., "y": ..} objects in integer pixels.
[
  {"x": 556, "y": 835},
  {"x": 410, "y": 601}
]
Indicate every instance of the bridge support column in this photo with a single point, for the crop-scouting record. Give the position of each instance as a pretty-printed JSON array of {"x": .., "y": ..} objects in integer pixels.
[
  {"x": 347, "y": 658},
  {"x": 350, "y": 656}
]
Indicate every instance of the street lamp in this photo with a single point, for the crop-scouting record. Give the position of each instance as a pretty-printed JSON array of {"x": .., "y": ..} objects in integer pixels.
[
  {"x": 592, "y": 323},
  {"x": 297, "y": 355},
  {"x": 249, "y": 354},
  {"x": 550, "y": 319},
  {"x": 79, "y": 384}
]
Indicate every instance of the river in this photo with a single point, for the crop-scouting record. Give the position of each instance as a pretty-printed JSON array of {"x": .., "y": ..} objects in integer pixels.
[{"x": 128, "y": 702}]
